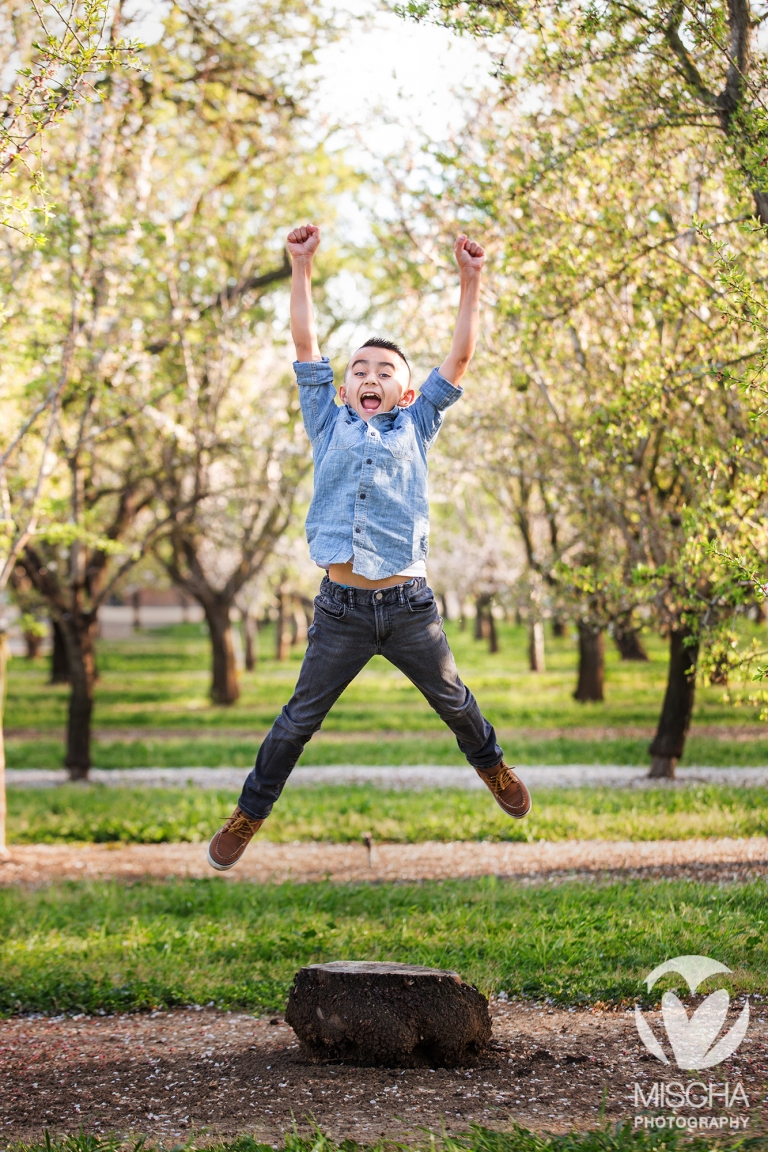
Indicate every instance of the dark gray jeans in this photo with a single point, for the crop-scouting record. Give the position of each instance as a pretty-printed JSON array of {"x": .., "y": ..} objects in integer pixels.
[{"x": 350, "y": 626}]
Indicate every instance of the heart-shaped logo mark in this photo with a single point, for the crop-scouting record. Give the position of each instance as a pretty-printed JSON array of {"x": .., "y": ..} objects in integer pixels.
[{"x": 693, "y": 1039}]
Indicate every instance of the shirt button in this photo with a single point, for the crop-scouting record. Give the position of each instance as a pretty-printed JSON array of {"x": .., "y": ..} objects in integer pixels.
[
  {"x": 362, "y": 495},
  {"x": 357, "y": 529},
  {"x": 369, "y": 461},
  {"x": 378, "y": 595}
]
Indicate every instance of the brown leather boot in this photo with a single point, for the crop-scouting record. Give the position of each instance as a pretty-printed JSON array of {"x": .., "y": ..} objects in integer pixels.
[
  {"x": 508, "y": 789},
  {"x": 229, "y": 843}
]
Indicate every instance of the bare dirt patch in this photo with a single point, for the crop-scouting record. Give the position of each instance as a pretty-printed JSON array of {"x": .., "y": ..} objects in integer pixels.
[
  {"x": 730, "y": 732},
  {"x": 169, "y": 1074},
  {"x": 719, "y": 860}
]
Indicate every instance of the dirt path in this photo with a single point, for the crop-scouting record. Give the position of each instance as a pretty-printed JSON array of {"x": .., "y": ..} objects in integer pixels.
[
  {"x": 169, "y": 1074},
  {"x": 730, "y": 732},
  {"x": 714, "y": 859}
]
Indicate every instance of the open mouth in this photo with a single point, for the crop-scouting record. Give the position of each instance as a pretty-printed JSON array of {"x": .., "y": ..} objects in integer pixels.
[{"x": 370, "y": 402}]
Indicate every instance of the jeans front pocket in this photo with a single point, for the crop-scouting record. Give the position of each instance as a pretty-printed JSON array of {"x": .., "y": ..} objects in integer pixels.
[
  {"x": 422, "y": 601},
  {"x": 330, "y": 607}
]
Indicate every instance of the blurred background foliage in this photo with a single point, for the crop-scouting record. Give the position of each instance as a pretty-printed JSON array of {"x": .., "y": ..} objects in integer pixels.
[{"x": 603, "y": 483}]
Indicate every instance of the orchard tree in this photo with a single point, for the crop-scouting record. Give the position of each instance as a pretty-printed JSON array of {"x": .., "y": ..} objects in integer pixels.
[
  {"x": 688, "y": 77},
  {"x": 55, "y": 55},
  {"x": 169, "y": 192},
  {"x": 238, "y": 445},
  {"x": 610, "y": 375},
  {"x": 57, "y": 52},
  {"x": 625, "y": 74}
]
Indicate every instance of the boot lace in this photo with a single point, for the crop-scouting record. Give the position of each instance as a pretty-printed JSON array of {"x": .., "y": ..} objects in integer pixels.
[
  {"x": 241, "y": 825},
  {"x": 501, "y": 779}
]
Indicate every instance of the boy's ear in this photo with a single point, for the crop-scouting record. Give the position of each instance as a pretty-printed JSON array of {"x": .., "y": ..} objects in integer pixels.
[
  {"x": 406, "y": 399},
  {"x": 343, "y": 394}
]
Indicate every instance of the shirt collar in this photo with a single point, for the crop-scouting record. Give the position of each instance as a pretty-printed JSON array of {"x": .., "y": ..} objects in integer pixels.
[{"x": 378, "y": 416}]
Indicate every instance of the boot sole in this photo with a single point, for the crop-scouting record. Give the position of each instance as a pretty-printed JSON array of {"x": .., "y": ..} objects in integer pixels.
[
  {"x": 514, "y": 815},
  {"x": 215, "y": 864}
]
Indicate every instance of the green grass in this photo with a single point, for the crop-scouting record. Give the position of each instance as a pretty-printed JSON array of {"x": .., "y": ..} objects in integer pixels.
[
  {"x": 159, "y": 679},
  {"x": 92, "y": 946},
  {"x": 383, "y": 748},
  {"x": 607, "y": 1138},
  {"x": 341, "y": 814}
]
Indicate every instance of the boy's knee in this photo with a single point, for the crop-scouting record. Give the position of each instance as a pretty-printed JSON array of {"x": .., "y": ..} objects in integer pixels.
[
  {"x": 455, "y": 705},
  {"x": 294, "y": 728}
]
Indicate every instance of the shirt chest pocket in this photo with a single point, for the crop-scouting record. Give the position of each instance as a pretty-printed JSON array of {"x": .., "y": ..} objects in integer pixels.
[
  {"x": 399, "y": 443},
  {"x": 346, "y": 435}
]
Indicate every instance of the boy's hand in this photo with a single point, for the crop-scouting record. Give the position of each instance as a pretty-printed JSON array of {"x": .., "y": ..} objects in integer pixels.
[
  {"x": 304, "y": 241},
  {"x": 470, "y": 257}
]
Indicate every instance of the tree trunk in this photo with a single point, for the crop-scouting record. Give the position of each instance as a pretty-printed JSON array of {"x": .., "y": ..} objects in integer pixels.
[
  {"x": 480, "y": 618},
  {"x": 250, "y": 641},
  {"x": 82, "y": 677},
  {"x": 283, "y": 630},
  {"x": 536, "y": 646},
  {"x": 224, "y": 686},
  {"x": 669, "y": 741},
  {"x": 59, "y": 657},
  {"x": 299, "y": 626},
  {"x": 628, "y": 642},
  {"x": 34, "y": 643},
  {"x": 485, "y": 624},
  {"x": 558, "y": 627},
  {"x": 136, "y": 605},
  {"x": 591, "y": 664},
  {"x": 3, "y": 667},
  {"x": 493, "y": 635},
  {"x": 390, "y": 1015}
]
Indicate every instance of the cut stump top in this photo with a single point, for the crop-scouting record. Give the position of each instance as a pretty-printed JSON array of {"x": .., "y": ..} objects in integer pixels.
[
  {"x": 377, "y": 968},
  {"x": 395, "y": 1015}
]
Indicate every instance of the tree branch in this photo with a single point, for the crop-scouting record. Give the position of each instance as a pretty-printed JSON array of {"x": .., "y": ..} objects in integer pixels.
[{"x": 231, "y": 292}]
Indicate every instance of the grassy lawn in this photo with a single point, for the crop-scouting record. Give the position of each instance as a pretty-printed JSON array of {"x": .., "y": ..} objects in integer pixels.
[
  {"x": 158, "y": 680},
  {"x": 342, "y": 814},
  {"x": 607, "y": 1138},
  {"x": 384, "y": 748},
  {"x": 90, "y": 946}
]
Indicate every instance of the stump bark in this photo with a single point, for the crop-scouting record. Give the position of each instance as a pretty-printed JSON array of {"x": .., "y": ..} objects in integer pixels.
[{"x": 393, "y": 1015}]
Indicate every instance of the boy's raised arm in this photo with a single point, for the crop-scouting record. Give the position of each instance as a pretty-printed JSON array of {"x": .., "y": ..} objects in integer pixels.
[
  {"x": 303, "y": 242},
  {"x": 470, "y": 258}
]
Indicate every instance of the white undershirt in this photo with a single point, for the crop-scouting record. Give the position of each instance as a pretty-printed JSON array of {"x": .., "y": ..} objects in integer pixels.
[{"x": 417, "y": 569}]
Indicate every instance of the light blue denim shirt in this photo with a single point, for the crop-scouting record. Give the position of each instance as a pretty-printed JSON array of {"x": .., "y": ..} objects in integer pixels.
[{"x": 371, "y": 501}]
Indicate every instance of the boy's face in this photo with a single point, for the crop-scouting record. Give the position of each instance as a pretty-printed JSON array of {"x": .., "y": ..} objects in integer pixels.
[{"x": 376, "y": 380}]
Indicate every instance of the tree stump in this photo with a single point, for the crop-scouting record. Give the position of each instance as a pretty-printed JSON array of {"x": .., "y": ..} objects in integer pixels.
[{"x": 395, "y": 1015}]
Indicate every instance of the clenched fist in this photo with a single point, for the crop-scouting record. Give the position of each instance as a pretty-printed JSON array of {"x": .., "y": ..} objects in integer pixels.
[
  {"x": 470, "y": 257},
  {"x": 304, "y": 241}
]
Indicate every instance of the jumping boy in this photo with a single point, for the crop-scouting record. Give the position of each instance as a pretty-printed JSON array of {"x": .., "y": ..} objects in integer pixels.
[{"x": 368, "y": 526}]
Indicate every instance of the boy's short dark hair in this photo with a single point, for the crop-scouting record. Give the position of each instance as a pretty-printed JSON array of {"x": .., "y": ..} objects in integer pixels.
[{"x": 380, "y": 342}]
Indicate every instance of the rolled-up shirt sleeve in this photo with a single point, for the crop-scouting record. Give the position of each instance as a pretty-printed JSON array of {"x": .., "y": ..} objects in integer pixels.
[
  {"x": 435, "y": 396},
  {"x": 317, "y": 395}
]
